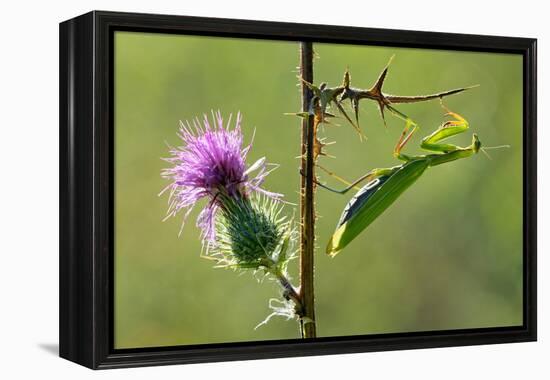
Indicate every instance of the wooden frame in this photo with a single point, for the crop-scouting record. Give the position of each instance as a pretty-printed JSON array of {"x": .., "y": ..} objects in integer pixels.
[{"x": 86, "y": 189}]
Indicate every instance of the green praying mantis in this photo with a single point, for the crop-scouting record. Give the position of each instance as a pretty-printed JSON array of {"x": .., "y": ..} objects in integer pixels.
[{"x": 385, "y": 185}]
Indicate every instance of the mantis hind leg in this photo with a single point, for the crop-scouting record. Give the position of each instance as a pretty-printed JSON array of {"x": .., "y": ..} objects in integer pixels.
[{"x": 373, "y": 174}]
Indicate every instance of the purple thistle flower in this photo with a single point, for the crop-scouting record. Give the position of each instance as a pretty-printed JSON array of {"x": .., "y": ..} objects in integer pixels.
[{"x": 211, "y": 161}]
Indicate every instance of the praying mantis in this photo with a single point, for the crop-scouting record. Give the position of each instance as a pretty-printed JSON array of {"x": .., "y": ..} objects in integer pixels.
[{"x": 386, "y": 185}]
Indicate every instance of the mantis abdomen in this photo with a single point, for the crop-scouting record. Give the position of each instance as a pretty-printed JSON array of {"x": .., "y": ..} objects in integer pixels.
[{"x": 371, "y": 201}]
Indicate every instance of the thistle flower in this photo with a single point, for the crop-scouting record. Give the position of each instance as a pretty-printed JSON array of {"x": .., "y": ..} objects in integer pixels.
[
  {"x": 242, "y": 223},
  {"x": 211, "y": 162}
]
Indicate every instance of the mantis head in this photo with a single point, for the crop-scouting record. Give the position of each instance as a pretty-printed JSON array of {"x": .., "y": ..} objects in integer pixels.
[{"x": 476, "y": 144}]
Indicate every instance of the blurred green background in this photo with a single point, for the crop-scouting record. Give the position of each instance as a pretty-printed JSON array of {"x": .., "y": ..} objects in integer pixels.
[{"x": 446, "y": 255}]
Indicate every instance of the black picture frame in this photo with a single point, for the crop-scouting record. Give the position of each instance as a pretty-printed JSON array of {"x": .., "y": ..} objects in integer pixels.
[{"x": 86, "y": 189}]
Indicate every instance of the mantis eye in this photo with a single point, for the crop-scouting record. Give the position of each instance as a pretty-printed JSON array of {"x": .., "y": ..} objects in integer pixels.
[{"x": 476, "y": 143}]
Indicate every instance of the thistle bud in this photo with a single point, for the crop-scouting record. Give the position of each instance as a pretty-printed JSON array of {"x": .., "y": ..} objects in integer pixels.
[{"x": 251, "y": 233}]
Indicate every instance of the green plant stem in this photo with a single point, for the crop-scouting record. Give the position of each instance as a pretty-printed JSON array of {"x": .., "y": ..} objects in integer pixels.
[
  {"x": 307, "y": 206},
  {"x": 289, "y": 290}
]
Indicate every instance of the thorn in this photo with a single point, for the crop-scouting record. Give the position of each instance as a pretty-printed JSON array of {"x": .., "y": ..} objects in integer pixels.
[
  {"x": 299, "y": 114},
  {"x": 377, "y": 87},
  {"x": 347, "y": 78},
  {"x": 343, "y": 112},
  {"x": 381, "y": 111},
  {"x": 355, "y": 104}
]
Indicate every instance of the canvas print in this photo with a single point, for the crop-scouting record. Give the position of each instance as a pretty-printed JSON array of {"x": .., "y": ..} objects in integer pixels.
[{"x": 273, "y": 190}]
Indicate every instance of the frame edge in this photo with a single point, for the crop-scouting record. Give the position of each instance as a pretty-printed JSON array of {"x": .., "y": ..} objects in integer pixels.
[{"x": 76, "y": 273}]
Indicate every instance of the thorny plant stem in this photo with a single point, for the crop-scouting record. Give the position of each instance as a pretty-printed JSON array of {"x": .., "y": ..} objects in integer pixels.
[{"x": 307, "y": 206}]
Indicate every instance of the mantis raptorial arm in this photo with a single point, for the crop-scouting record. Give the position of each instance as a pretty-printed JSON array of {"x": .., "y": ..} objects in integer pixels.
[
  {"x": 447, "y": 129},
  {"x": 445, "y": 152},
  {"x": 404, "y": 139}
]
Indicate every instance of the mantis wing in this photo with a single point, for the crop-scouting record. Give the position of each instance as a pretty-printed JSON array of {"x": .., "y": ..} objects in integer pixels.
[{"x": 371, "y": 201}]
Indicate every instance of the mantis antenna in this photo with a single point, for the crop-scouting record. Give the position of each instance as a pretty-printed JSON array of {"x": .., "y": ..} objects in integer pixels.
[{"x": 485, "y": 149}]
